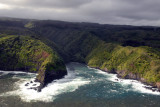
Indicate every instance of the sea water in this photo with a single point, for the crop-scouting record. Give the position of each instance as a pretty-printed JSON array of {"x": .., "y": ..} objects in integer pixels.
[{"x": 82, "y": 87}]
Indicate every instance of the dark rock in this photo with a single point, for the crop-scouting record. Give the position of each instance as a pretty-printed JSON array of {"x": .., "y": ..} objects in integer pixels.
[
  {"x": 26, "y": 84},
  {"x": 33, "y": 88},
  {"x": 151, "y": 88},
  {"x": 49, "y": 77},
  {"x": 154, "y": 86},
  {"x": 113, "y": 71},
  {"x": 117, "y": 79},
  {"x": 34, "y": 84},
  {"x": 39, "y": 88},
  {"x": 147, "y": 87},
  {"x": 35, "y": 80},
  {"x": 154, "y": 89}
]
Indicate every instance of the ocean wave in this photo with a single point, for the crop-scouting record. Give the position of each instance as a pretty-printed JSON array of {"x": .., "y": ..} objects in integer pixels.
[
  {"x": 15, "y": 72},
  {"x": 50, "y": 92},
  {"x": 128, "y": 84},
  {"x": 74, "y": 80}
]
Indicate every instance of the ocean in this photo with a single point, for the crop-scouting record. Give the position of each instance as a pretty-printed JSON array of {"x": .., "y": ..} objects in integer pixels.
[{"x": 82, "y": 87}]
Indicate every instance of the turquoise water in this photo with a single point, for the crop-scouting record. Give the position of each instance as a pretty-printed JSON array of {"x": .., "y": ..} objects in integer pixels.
[{"x": 82, "y": 87}]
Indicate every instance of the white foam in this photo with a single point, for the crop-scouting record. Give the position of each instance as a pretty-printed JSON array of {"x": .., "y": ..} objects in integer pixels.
[
  {"x": 135, "y": 85},
  {"x": 50, "y": 92},
  {"x": 69, "y": 84},
  {"x": 15, "y": 72}
]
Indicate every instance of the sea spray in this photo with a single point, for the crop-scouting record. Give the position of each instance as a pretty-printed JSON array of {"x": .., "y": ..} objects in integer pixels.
[
  {"x": 82, "y": 85},
  {"x": 134, "y": 84},
  {"x": 68, "y": 84}
]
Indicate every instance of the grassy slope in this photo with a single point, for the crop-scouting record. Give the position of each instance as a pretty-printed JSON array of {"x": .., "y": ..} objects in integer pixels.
[
  {"x": 26, "y": 53},
  {"x": 85, "y": 45},
  {"x": 103, "y": 45},
  {"x": 143, "y": 61}
]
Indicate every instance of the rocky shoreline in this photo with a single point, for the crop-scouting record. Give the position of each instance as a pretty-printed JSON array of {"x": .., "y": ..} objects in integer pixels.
[
  {"x": 32, "y": 85},
  {"x": 48, "y": 78},
  {"x": 121, "y": 74}
]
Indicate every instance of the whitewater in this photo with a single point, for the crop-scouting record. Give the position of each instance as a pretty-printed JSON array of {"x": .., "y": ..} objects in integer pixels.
[{"x": 82, "y": 86}]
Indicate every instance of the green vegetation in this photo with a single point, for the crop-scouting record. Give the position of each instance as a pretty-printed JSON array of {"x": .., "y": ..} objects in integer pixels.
[
  {"x": 28, "y": 54},
  {"x": 29, "y": 25},
  {"x": 131, "y": 49},
  {"x": 143, "y": 61}
]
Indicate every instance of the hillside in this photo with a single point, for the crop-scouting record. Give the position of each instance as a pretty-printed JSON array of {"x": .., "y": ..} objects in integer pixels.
[
  {"x": 130, "y": 51},
  {"x": 63, "y": 32},
  {"x": 28, "y": 54},
  {"x": 140, "y": 63}
]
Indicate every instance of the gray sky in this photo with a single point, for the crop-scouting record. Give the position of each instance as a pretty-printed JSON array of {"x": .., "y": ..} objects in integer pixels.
[{"x": 133, "y": 12}]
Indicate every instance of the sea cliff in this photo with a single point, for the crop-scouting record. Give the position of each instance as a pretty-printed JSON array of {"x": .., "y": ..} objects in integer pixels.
[
  {"x": 23, "y": 53},
  {"x": 139, "y": 63}
]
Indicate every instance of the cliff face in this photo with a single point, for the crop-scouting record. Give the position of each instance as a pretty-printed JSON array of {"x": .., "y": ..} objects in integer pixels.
[
  {"x": 140, "y": 63},
  {"x": 31, "y": 55}
]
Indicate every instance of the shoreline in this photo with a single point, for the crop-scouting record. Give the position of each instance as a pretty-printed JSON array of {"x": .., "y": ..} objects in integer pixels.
[
  {"x": 38, "y": 88},
  {"x": 148, "y": 86}
]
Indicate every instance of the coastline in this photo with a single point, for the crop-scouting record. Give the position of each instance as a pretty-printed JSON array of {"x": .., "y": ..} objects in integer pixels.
[
  {"x": 48, "y": 79},
  {"x": 131, "y": 76}
]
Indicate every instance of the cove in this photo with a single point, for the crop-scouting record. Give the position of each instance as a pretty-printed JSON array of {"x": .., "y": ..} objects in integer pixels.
[{"x": 83, "y": 86}]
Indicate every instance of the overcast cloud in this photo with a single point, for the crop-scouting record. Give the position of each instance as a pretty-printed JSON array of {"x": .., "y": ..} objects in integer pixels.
[{"x": 133, "y": 12}]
